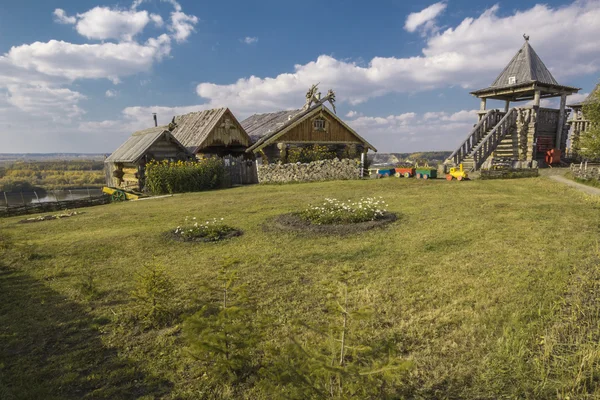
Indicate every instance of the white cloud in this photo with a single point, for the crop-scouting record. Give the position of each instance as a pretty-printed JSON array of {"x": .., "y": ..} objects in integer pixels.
[
  {"x": 249, "y": 40},
  {"x": 56, "y": 103},
  {"x": 469, "y": 55},
  {"x": 61, "y": 17},
  {"x": 182, "y": 25},
  {"x": 89, "y": 61},
  {"x": 111, "y": 93},
  {"x": 425, "y": 19},
  {"x": 105, "y": 23},
  {"x": 436, "y": 130},
  {"x": 352, "y": 114}
]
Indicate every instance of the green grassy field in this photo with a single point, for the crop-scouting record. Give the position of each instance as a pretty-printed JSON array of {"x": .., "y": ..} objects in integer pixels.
[{"x": 490, "y": 288}]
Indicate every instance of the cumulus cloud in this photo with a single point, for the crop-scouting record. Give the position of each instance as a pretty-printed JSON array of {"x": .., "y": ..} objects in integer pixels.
[
  {"x": 250, "y": 40},
  {"x": 61, "y": 17},
  {"x": 425, "y": 19},
  {"x": 182, "y": 25},
  {"x": 447, "y": 60},
  {"x": 105, "y": 23},
  {"x": 111, "y": 93},
  {"x": 46, "y": 101},
  {"x": 352, "y": 114},
  {"x": 407, "y": 132}
]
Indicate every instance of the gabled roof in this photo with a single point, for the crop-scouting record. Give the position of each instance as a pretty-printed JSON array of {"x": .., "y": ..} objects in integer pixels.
[
  {"x": 594, "y": 93},
  {"x": 138, "y": 143},
  {"x": 194, "y": 128},
  {"x": 259, "y": 125},
  {"x": 525, "y": 68},
  {"x": 268, "y": 127}
]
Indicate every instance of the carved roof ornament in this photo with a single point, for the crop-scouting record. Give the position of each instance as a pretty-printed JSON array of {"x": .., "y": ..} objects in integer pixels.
[
  {"x": 526, "y": 37},
  {"x": 313, "y": 96}
]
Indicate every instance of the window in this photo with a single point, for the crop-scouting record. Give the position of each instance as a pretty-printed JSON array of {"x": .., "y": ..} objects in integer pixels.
[
  {"x": 512, "y": 80},
  {"x": 319, "y": 124}
]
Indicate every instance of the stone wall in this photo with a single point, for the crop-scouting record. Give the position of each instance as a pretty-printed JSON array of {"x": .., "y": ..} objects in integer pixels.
[
  {"x": 509, "y": 173},
  {"x": 325, "y": 170},
  {"x": 586, "y": 171}
]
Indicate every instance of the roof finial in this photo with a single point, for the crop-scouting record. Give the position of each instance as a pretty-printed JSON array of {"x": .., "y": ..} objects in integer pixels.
[{"x": 526, "y": 37}]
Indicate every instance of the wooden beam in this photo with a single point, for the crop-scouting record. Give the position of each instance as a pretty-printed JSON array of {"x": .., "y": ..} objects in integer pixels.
[{"x": 561, "y": 120}]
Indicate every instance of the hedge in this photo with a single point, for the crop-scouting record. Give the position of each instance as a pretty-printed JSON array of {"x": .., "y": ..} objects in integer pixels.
[{"x": 184, "y": 176}]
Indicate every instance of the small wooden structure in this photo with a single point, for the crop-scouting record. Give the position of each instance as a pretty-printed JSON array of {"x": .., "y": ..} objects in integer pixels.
[
  {"x": 524, "y": 133},
  {"x": 214, "y": 132},
  {"x": 125, "y": 167},
  {"x": 275, "y": 133},
  {"x": 578, "y": 122}
]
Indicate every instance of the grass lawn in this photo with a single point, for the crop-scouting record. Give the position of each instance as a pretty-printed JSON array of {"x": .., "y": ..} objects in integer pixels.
[{"x": 490, "y": 288}]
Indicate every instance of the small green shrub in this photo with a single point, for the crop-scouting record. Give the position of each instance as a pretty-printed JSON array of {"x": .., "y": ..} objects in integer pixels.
[
  {"x": 309, "y": 154},
  {"x": 184, "y": 176},
  {"x": 334, "y": 211},
  {"x": 209, "y": 231},
  {"x": 224, "y": 336},
  {"x": 154, "y": 293}
]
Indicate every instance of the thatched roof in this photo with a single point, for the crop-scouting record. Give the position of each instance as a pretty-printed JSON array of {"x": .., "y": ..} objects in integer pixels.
[
  {"x": 193, "y": 129},
  {"x": 138, "y": 144},
  {"x": 593, "y": 94},
  {"x": 525, "y": 68},
  {"x": 265, "y": 128}
]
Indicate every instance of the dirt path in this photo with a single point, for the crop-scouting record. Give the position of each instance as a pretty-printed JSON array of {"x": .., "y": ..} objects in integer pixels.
[{"x": 578, "y": 186}]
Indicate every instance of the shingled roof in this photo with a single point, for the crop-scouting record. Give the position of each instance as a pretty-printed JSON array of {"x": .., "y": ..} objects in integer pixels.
[
  {"x": 259, "y": 125},
  {"x": 138, "y": 143},
  {"x": 525, "y": 68},
  {"x": 193, "y": 128}
]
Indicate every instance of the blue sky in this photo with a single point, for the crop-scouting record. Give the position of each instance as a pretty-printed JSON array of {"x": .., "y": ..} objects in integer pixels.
[{"x": 80, "y": 76}]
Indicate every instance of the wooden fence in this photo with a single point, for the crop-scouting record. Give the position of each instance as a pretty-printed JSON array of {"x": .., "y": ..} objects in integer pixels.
[
  {"x": 21, "y": 203},
  {"x": 240, "y": 171}
]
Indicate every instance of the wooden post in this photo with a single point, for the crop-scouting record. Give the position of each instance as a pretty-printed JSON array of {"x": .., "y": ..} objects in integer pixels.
[
  {"x": 536, "y": 98},
  {"x": 363, "y": 158},
  {"x": 506, "y": 105},
  {"x": 22, "y": 198},
  {"x": 561, "y": 120},
  {"x": 36, "y": 196},
  {"x": 5, "y": 199},
  {"x": 483, "y": 104}
]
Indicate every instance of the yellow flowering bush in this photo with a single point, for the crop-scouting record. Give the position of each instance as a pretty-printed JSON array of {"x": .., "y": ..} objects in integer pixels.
[
  {"x": 164, "y": 177},
  {"x": 309, "y": 154}
]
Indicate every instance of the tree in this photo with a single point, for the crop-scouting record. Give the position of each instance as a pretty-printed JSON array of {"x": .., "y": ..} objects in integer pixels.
[
  {"x": 340, "y": 363},
  {"x": 589, "y": 142},
  {"x": 224, "y": 336}
]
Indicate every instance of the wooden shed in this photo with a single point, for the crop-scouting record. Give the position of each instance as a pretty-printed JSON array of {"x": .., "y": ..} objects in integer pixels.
[
  {"x": 273, "y": 134},
  {"x": 125, "y": 167},
  {"x": 211, "y": 132}
]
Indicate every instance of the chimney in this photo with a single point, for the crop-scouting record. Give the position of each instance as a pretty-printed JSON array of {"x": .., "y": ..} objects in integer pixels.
[{"x": 155, "y": 120}]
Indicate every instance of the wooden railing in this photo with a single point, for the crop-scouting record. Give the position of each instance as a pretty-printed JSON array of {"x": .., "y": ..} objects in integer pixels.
[
  {"x": 489, "y": 120},
  {"x": 491, "y": 140},
  {"x": 580, "y": 125}
]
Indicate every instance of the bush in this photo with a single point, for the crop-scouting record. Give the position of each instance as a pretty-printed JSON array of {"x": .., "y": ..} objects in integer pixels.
[
  {"x": 309, "y": 154},
  {"x": 333, "y": 211},
  {"x": 210, "y": 231},
  {"x": 184, "y": 176}
]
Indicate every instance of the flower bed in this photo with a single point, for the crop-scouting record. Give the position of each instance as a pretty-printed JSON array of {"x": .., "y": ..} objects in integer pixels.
[
  {"x": 336, "y": 217},
  {"x": 208, "y": 231},
  {"x": 334, "y": 211}
]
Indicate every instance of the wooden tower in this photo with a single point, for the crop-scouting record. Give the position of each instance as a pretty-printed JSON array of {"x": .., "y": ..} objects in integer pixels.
[{"x": 517, "y": 135}]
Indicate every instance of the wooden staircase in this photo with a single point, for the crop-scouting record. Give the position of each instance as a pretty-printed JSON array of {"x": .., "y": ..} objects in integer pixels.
[{"x": 485, "y": 138}]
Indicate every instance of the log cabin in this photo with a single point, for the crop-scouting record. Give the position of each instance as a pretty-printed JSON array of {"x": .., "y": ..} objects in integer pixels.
[
  {"x": 274, "y": 134},
  {"x": 124, "y": 168},
  {"x": 521, "y": 134}
]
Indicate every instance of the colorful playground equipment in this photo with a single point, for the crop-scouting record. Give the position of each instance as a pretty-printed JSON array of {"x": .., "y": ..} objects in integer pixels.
[
  {"x": 457, "y": 173},
  {"x": 407, "y": 172}
]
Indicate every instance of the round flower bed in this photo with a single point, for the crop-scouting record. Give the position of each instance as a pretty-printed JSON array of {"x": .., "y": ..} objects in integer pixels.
[
  {"x": 210, "y": 231},
  {"x": 337, "y": 217}
]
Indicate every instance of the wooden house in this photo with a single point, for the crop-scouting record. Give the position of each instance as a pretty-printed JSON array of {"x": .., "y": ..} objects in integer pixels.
[
  {"x": 523, "y": 133},
  {"x": 274, "y": 134},
  {"x": 213, "y": 132},
  {"x": 125, "y": 167},
  {"x": 578, "y": 122}
]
